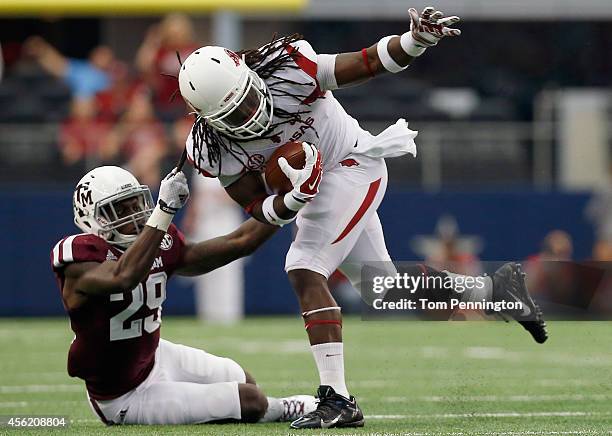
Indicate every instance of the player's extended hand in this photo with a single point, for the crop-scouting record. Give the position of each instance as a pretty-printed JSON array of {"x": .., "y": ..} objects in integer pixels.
[
  {"x": 305, "y": 181},
  {"x": 431, "y": 26},
  {"x": 173, "y": 192}
]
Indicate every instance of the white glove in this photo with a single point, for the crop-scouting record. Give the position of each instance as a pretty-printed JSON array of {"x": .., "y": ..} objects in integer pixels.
[
  {"x": 173, "y": 192},
  {"x": 305, "y": 181},
  {"x": 427, "y": 29}
]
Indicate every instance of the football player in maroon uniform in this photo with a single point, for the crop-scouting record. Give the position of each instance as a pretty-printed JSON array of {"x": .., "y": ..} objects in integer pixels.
[{"x": 112, "y": 280}]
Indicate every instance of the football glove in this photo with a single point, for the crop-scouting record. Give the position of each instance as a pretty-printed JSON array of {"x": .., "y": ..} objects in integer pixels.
[
  {"x": 305, "y": 181},
  {"x": 173, "y": 192},
  {"x": 428, "y": 28}
]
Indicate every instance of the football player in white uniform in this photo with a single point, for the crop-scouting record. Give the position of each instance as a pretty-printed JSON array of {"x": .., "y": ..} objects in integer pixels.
[
  {"x": 112, "y": 280},
  {"x": 247, "y": 104}
]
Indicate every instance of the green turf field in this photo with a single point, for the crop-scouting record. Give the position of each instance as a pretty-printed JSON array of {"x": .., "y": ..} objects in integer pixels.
[{"x": 410, "y": 378}]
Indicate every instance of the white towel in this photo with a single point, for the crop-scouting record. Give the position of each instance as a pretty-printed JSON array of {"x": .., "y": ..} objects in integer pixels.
[{"x": 394, "y": 141}]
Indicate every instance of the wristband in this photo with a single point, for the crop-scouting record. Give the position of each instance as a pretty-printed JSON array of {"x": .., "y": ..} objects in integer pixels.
[
  {"x": 366, "y": 61},
  {"x": 270, "y": 214},
  {"x": 410, "y": 46},
  {"x": 159, "y": 219},
  {"x": 292, "y": 202},
  {"x": 385, "y": 58},
  {"x": 164, "y": 207}
]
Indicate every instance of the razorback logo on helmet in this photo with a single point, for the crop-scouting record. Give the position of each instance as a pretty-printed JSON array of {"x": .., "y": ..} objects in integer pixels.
[
  {"x": 229, "y": 96},
  {"x": 234, "y": 57}
]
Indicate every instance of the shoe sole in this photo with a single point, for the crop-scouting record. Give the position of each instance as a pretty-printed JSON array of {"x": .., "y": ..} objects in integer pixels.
[
  {"x": 359, "y": 423},
  {"x": 352, "y": 424},
  {"x": 537, "y": 326}
]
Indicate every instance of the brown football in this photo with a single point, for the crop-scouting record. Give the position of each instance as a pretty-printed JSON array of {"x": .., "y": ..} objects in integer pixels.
[{"x": 275, "y": 178}]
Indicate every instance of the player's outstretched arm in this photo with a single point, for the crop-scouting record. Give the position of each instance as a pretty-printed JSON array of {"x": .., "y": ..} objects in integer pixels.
[
  {"x": 394, "y": 53},
  {"x": 91, "y": 278},
  {"x": 203, "y": 257}
]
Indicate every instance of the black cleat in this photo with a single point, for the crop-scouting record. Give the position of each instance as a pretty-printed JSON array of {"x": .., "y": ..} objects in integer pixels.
[
  {"x": 333, "y": 411},
  {"x": 509, "y": 285}
]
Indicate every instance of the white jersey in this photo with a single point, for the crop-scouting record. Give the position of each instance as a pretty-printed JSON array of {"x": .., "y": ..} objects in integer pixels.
[{"x": 325, "y": 124}]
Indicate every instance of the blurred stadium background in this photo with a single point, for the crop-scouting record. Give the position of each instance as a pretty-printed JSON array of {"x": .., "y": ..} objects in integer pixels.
[
  {"x": 514, "y": 164},
  {"x": 514, "y": 142}
]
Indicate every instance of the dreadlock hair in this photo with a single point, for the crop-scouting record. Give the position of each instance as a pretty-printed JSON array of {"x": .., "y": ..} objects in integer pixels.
[{"x": 266, "y": 68}]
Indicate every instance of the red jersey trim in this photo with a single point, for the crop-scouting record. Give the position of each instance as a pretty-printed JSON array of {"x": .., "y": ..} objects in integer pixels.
[
  {"x": 310, "y": 68},
  {"x": 203, "y": 172},
  {"x": 307, "y": 65}
]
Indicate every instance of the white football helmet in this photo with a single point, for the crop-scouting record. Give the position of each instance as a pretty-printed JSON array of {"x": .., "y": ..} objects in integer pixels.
[
  {"x": 224, "y": 91},
  {"x": 97, "y": 209}
]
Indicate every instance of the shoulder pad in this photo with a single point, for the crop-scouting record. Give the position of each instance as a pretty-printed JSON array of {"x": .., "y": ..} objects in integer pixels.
[{"x": 79, "y": 248}]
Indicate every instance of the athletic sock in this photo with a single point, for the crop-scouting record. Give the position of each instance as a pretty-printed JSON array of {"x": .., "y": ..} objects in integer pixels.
[
  {"x": 329, "y": 358},
  {"x": 475, "y": 288},
  {"x": 289, "y": 408},
  {"x": 274, "y": 411}
]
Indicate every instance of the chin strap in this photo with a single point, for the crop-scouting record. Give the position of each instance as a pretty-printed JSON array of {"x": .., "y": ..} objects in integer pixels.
[{"x": 308, "y": 324}]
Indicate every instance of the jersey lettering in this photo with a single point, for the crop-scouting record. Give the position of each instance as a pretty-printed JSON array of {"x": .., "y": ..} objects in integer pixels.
[
  {"x": 308, "y": 122},
  {"x": 157, "y": 263}
]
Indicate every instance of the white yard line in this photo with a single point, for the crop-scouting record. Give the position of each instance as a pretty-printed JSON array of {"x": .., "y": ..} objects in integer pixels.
[
  {"x": 35, "y": 374},
  {"x": 15, "y": 404},
  {"x": 502, "y": 398},
  {"x": 311, "y": 386},
  {"x": 489, "y": 415},
  {"x": 471, "y": 433},
  {"x": 86, "y": 421},
  {"x": 555, "y": 358},
  {"x": 18, "y": 389},
  {"x": 11, "y": 404},
  {"x": 563, "y": 382},
  {"x": 497, "y": 353},
  {"x": 513, "y": 433},
  {"x": 261, "y": 346}
]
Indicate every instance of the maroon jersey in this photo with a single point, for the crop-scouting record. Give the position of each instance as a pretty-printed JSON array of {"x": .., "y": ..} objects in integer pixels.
[{"x": 116, "y": 335}]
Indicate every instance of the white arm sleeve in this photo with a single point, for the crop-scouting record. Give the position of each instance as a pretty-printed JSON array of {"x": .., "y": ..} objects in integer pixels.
[{"x": 326, "y": 66}]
